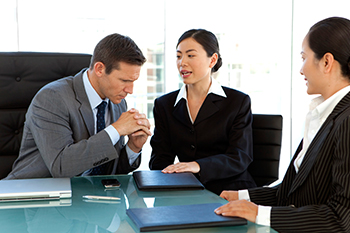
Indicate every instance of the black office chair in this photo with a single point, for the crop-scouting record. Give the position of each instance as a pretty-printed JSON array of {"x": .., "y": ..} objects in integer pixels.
[
  {"x": 267, "y": 138},
  {"x": 22, "y": 74}
]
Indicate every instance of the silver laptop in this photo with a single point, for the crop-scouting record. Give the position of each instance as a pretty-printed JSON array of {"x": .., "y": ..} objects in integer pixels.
[
  {"x": 35, "y": 189},
  {"x": 35, "y": 204}
]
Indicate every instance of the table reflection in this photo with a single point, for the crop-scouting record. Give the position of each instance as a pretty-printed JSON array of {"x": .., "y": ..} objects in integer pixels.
[{"x": 79, "y": 215}]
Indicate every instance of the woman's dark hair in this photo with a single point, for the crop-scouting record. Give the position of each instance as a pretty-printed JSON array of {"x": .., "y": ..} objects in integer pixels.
[
  {"x": 207, "y": 40},
  {"x": 332, "y": 35},
  {"x": 117, "y": 48}
]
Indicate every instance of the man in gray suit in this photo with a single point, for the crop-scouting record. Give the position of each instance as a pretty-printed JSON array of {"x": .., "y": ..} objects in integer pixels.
[{"x": 65, "y": 134}]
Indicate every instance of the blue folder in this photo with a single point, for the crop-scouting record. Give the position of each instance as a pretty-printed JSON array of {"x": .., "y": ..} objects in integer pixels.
[
  {"x": 156, "y": 180},
  {"x": 180, "y": 217}
]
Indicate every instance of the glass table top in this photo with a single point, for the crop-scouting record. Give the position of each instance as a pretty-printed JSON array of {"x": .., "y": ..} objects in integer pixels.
[{"x": 81, "y": 215}]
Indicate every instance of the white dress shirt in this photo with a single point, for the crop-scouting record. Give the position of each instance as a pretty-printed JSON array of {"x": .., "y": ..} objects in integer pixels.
[
  {"x": 319, "y": 110},
  {"x": 214, "y": 88},
  {"x": 95, "y": 100}
]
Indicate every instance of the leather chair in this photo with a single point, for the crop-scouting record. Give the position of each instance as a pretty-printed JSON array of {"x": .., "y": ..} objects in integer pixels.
[
  {"x": 267, "y": 140},
  {"x": 22, "y": 74}
]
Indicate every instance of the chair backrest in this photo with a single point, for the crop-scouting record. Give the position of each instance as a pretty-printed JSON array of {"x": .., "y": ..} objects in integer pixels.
[
  {"x": 22, "y": 74},
  {"x": 267, "y": 140}
]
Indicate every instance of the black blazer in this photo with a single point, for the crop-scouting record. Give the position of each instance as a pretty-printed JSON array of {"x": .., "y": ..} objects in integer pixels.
[
  {"x": 317, "y": 199},
  {"x": 220, "y": 139}
]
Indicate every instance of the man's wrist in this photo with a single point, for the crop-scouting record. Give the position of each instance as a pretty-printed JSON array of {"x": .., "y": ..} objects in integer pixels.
[{"x": 133, "y": 147}]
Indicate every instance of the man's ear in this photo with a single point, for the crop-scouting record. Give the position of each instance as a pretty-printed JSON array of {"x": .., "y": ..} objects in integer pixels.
[
  {"x": 99, "y": 68},
  {"x": 328, "y": 62}
]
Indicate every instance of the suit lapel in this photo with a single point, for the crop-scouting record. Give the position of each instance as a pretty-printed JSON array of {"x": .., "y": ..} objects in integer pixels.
[
  {"x": 85, "y": 108},
  {"x": 316, "y": 144},
  {"x": 208, "y": 108},
  {"x": 181, "y": 114},
  {"x": 311, "y": 155},
  {"x": 115, "y": 111}
]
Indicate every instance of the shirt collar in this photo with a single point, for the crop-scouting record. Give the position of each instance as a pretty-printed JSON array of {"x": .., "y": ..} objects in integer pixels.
[
  {"x": 93, "y": 97},
  {"x": 325, "y": 107},
  {"x": 214, "y": 88}
]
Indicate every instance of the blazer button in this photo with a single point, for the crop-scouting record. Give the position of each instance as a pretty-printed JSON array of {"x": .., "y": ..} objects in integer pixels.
[{"x": 193, "y": 147}]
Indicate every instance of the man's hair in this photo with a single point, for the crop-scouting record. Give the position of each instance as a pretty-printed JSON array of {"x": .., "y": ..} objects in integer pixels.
[{"x": 114, "y": 49}]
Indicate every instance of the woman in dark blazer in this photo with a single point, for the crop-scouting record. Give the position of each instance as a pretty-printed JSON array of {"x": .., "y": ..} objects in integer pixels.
[
  {"x": 207, "y": 126},
  {"x": 314, "y": 195}
]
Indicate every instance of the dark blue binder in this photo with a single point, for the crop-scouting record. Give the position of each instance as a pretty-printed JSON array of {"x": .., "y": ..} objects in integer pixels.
[
  {"x": 156, "y": 180},
  {"x": 180, "y": 217}
]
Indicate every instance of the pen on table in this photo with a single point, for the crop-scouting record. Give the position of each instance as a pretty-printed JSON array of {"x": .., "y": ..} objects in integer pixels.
[{"x": 92, "y": 197}]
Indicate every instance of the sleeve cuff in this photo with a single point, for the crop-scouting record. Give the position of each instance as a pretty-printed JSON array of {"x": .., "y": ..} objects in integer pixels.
[
  {"x": 131, "y": 155},
  {"x": 113, "y": 134},
  {"x": 263, "y": 217},
  {"x": 243, "y": 195},
  {"x": 264, "y": 212}
]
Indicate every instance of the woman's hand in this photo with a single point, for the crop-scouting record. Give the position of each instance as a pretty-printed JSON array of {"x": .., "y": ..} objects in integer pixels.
[
  {"x": 229, "y": 195},
  {"x": 240, "y": 208},
  {"x": 182, "y": 167}
]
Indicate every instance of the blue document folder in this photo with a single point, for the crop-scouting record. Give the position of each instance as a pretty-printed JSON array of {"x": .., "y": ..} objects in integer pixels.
[
  {"x": 156, "y": 180},
  {"x": 180, "y": 217}
]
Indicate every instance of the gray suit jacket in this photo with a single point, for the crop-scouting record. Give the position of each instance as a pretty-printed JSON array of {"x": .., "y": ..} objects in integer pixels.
[{"x": 58, "y": 137}]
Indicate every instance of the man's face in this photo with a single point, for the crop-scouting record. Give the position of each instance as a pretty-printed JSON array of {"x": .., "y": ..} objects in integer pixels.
[{"x": 119, "y": 83}]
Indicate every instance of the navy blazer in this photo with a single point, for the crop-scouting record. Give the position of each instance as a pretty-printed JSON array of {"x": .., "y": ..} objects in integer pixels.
[
  {"x": 219, "y": 140},
  {"x": 317, "y": 198}
]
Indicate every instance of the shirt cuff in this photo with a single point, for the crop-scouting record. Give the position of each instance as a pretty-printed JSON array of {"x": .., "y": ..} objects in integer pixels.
[
  {"x": 243, "y": 195},
  {"x": 264, "y": 212},
  {"x": 113, "y": 134},
  {"x": 131, "y": 154},
  {"x": 263, "y": 217}
]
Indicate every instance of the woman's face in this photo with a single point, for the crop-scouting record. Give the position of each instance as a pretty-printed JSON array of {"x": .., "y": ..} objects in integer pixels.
[
  {"x": 311, "y": 69},
  {"x": 193, "y": 63}
]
